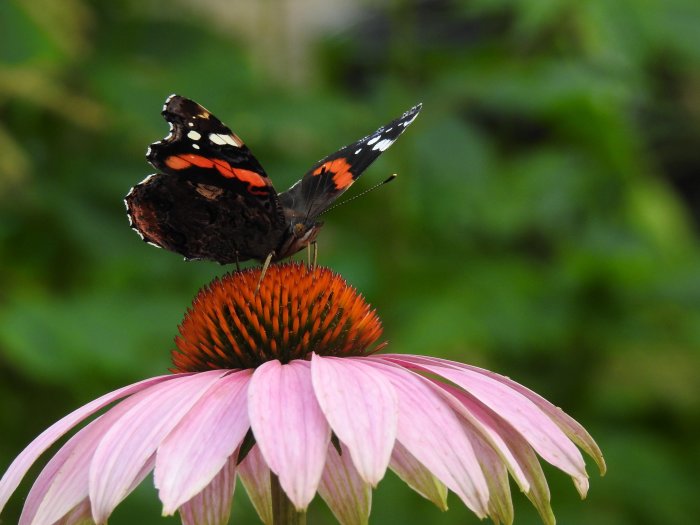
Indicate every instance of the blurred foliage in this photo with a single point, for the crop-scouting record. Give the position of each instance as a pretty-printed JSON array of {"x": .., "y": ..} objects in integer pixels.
[{"x": 544, "y": 223}]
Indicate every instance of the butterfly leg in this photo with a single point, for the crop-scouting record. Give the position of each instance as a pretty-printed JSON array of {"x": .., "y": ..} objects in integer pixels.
[
  {"x": 238, "y": 266},
  {"x": 266, "y": 264},
  {"x": 311, "y": 254}
]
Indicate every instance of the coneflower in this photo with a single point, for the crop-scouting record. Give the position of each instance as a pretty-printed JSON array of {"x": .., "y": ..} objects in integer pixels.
[{"x": 284, "y": 388}]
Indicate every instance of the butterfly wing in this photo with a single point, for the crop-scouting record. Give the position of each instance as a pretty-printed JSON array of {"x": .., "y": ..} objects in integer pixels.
[
  {"x": 334, "y": 174},
  {"x": 200, "y": 145},
  {"x": 213, "y": 200}
]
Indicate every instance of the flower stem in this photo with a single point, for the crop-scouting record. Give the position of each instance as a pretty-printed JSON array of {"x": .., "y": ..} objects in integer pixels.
[{"x": 283, "y": 511}]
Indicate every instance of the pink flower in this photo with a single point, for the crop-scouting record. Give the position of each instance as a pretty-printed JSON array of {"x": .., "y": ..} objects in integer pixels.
[{"x": 284, "y": 389}]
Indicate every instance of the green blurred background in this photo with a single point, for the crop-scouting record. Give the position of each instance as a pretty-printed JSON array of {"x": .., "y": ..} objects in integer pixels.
[{"x": 544, "y": 223}]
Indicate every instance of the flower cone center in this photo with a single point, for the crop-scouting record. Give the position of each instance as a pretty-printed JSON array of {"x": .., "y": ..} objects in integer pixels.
[{"x": 297, "y": 310}]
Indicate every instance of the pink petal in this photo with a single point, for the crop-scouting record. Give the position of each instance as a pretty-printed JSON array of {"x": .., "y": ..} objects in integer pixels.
[
  {"x": 361, "y": 406},
  {"x": 212, "y": 506},
  {"x": 198, "y": 448},
  {"x": 496, "y": 474},
  {"x": 516, "y": 453},
  {"x": 126, "y": 446},
  {"x": 416, "y": 476},
  {"x": 63, "y": 483},
  {"x": 480, "y": 420},
  {"x": 343, "y": 490},
  {"x": 29, "y": 455},
  {"x": 432, "y": 432},
  {"x": 289, "y": 427},
  {"x": 539, "y": 490},
  {"x": 37, "y": 498},
  {"x": 570, "y": 426},
  {"x": 80, "y": 514},
  {"x": 255, "y": 476},
  {"x": 536, "y": 427}
]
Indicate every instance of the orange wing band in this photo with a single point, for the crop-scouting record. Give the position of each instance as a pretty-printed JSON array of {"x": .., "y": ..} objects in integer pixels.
[
  {"x": 182, "y": 162},
  {"x": 342, "y": 176}
]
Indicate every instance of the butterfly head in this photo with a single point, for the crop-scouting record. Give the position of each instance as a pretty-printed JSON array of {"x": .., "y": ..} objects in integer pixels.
[{"x": 300, "y": 234}]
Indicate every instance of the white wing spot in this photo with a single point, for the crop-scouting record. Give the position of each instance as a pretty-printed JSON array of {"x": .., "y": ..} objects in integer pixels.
[
  {"x": 194, "y": 135},
  {"x": 408, "y": 122},
  {"x": 190, "y": 124},
  {"x": 233, "y": 141},
  {"x": 195, "y": 146},
  {"x": 220, "y": 139},
  {"x": 217, "y": 139},
  {"x": 357, "y": 151},
  {"x": 383, "y": 145},
  {"x": 373, "y": 140}
]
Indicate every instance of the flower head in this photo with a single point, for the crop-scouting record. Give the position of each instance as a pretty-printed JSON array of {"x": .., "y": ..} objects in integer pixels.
[
  {"x": 295, "y": 312},
  {"x": 285, "y": 382}
]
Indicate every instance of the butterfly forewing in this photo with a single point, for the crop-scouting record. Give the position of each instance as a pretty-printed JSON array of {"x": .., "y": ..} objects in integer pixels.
[
  {"x": 334, "y": 174},
  {"x": 200, "y": 144}
]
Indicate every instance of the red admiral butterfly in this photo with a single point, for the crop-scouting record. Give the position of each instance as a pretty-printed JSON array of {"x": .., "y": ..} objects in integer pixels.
[{"x": 213, "y": 200}]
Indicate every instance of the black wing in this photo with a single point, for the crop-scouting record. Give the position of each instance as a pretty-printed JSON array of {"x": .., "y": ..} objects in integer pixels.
[
  {"x": 213, "y": 200},
  {"x": 334, "y": 174}
]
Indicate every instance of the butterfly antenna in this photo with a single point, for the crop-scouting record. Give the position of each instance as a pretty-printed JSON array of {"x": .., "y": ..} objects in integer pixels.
[{"x": 389, "y": 179}]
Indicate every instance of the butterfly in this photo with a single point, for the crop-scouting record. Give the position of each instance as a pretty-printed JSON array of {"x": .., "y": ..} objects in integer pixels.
[{"x": 211, "y": 199}]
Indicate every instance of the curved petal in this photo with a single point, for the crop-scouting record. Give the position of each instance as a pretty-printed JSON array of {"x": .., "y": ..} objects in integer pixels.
[
  {"x": 48, "y": 437},
  {"x": 496, "y": 474},
  {"x": 361, "y": 406},
  {"x": 479, "y": 420},
  {"x": 343, "y": 489},
  {"x": 515, "y": 452},
  {"x": 537, "y": 428},
  {"x": 255, "y": 476},
  {"x": 432, "y": 432},
  {"x": 289, "y": 427},
  {"x": 212, "y": 506},
  {"x": 572, "y": 428},
  {"x": 198, "y": 448},
  {"x": 133, "y": 439},
  {"x": 416, "y": 476},
  {"x": 79, "y": 515},
  {"x": 63, "y": 482},
  {"x": 43, "y": 501}
]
